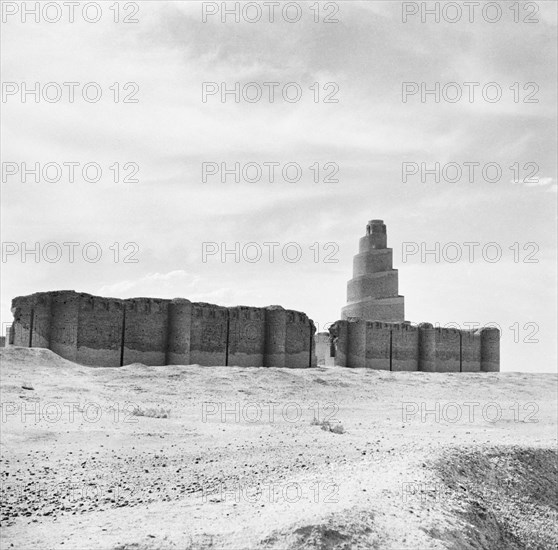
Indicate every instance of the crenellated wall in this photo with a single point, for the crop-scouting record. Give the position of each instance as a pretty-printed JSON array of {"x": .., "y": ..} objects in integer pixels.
[
  {"x": 64, "y": 322},
  {"x": 208, "y": 336},
  {"x": 145, "y": 331},
  {"x": 246, "y": 347},
  {"x": 179, "y": 332},
  {"x": 275, "y": 336},
  {"x": 471, "y": 350},
  {"x": 448, "y": 349},
  {"x": 98, "y": 331},
  {"x": 405, "y": 347},
  {"x": 490, "y": 349},
  {"x": 356, "y": 344},
  {"x": 378, "y": 345},
  {"x": 299, "y": 342}
]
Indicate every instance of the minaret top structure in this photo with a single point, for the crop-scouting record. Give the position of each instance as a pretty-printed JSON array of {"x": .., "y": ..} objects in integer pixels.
[
  {"x": 373, "y": 293},
  {"x": 376, "y": 234},
  {"x": 375, "y": 226}
]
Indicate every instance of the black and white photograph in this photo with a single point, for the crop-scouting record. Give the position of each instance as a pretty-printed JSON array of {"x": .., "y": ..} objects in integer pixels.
[{"x": 279, "y": 275}]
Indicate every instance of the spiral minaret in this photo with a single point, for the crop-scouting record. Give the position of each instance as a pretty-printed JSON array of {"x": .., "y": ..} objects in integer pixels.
[{"x": 373, "y": 292}]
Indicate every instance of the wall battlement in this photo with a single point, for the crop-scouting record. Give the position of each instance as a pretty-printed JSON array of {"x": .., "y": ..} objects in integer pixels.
[{"x": 99, "y": 331}]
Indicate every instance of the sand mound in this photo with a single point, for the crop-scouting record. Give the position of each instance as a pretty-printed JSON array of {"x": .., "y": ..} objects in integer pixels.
[
  {"x": 31, "y": 357},
  {"x": 351, "y": 530},
  {"x": 508, "y": 496}
]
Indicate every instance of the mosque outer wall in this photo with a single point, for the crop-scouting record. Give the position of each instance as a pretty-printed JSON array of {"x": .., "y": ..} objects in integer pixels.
[
  {"x": 406, "y": 347},
  {"x": 98, "y": 331}
]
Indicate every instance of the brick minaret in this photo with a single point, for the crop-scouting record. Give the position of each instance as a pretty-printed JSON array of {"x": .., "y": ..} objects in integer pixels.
[{"x": 373, "y": 292}]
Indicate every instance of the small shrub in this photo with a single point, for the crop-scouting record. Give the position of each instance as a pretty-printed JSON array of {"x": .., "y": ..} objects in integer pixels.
[
  {"x": 152, "y": 412},
  {"x": 335, "y": 427}
]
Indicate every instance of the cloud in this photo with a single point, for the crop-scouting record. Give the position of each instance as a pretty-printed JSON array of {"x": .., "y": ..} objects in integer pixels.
[
  {"x": 538, "y": 182},
  {"x": 153, "y": 284},
  {"x": 175, "y": 284}
]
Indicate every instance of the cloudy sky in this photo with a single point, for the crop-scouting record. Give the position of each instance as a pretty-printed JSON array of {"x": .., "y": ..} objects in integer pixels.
[{"x": 362, "y": 61}]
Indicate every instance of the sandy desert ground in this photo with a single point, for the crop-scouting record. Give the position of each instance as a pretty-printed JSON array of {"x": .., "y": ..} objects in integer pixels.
[{"x": 176, "y": 457}]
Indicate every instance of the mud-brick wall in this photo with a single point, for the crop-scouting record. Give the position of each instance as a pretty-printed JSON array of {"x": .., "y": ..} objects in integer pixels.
[
  {"x": 32, "y": 315},
  {"x": 470, "y": 350},
  {"x": 179, "y": 328},
  {"x": 246, "y": 336},
  {"x": 99, "y": 334},
  {"x": 339, "y": 342},
  {"x": 300, "y": 336},
  {"x": 275, "y": 336},
  {"x": 356, "y": 346},
  {"x": 41, "y": 321},
  {"x": 208, "y": 336},
  {"x": 448, "y": 349},
  {"x": 101, "y": 331},
  {"x": 427, "y": 347},
  {"x": 145, "y": 331},
  {"x": 404, "y": 347},
  {"x": 378, "y": 345},
  {"x": 21, "y": 331},
  {"x": 313, "y": 359},
  {"x": 64, "y": 322},
  {"x": 490, "y": 349}
]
